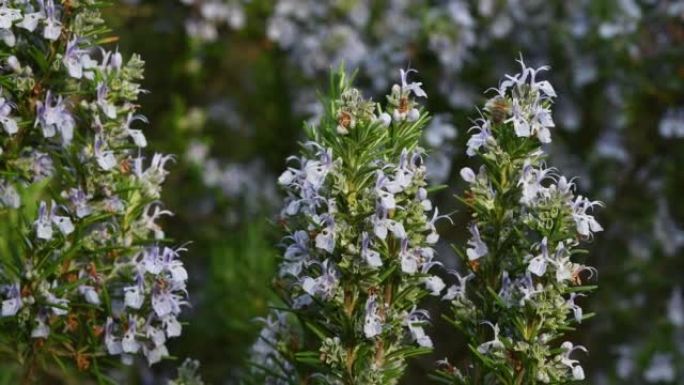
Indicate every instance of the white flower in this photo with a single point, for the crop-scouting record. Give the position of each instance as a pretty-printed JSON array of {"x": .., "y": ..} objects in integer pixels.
[
  {"x": 53, "y": 27},
  {"x": 90, "y": 294},
  {"x": 133, "y": 296},
  {"x": 41, "y": 330},
  {"x": 13, "y": 303},
  {"x": 675, "y": 307},
  {"x": 325, "y": 239},
  {"x": 137, "y": 135},
  {"x": 173, "y": 327},
  {"x": 434, "y": 284},
  {"x": 537, "y": 265},
  {"x": 576, "y": 309},
  {"x": 477, "y": 249},
  {"x": 8, "y": 124},
  {"x": 415, "y": 87},
  {"x": 46, "y": 219},
  {"x": 60, "y": 306},
  {"x": 385, "y": 119},
  {"x": 493, "y": 344},
  {"x": 660, "y": 369},
  {"x": 323, "y": 286},
  {"x": 409, "y": 258},
  {"x": 369, "y": 255},
  {"x": 468, "y": 175},
  {"x": 105, "y": 158},
  {"x": 155, "y": 354},
  {"x": 459, "y": 289},
  {"x": 586, "y": 224},
  {"x": 385, "y": 190},
  {"x": 577, "y": 371},
  {"x": 129, "y": 343},
  {"x": 112, "y": 342},
  {"x": 8, "y": 16},
  {"x": 433, "y": 236},
  {"x": 30, "y": 21},
  {"x": 372, "y": 325},
  {"x": 415, "y": 321},
  {"x": 381, "y": 225},
  {"x": 479, "y": 139}
]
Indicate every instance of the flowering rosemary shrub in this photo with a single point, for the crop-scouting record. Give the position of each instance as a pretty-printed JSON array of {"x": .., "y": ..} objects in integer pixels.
[
  {"x": 359, "y": 246},
  {"x": 83, "y": 273},
  {"x": 518, "y": 296}
]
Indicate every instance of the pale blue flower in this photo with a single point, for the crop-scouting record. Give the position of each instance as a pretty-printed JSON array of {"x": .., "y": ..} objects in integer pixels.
[
  {"x": 537, "y": 265},
  {"x": 165, "y": 301},
  {"x": 155, "y": 354},
  {"x": 492, "y": 345},
  {"x": 480, "y": 138},
  {"x": 477, "y": 249},
  {"x": 415, "y": 320},
  {"x": 137, "y": 135},
  {"x": 12, "y": 302},
  {"x": 573, "y": 365},
  {"x": 31, "y": 20},
  {"x": 434, "y": 285},
  {"x": 385, "y": 190},
  {"x": 112, "y": 342},
  {"x": 129, "y": 343},
  {"x": 458, "y": 291},
  {"x": 46, "y": 220},
  {"x": 413, "y": 87},
  {"x": 372, "y": 325},
  {"x": 381, "y": 226},
  {"x": 41, "y": 328},
  {"x": 369, "y": 255},
  {"x": 325, "y": 285},
  {"x": 172, "y": 326},
  {"x": 433, "y": 236},
  {"x": 8, "y": 16},
  {"x": 325, "y": 239},
  {"x": 76, "y": 59},
  {"x": 586, "y": 224},
  {"x": 9, "y": 196},
  {"x": 296, "y": 254},
  {"x": 468, "y": 175},
  {"x": 576, "y": 309},
  {"x": 8, "y": 123},
  {"x": 53, "y": 27},
  {"x": 134, "y": 295},
  {"x": 409, "y": 258},
  {"x": 53, "y": 116},
  {"x": 151, "y": 213},
  {"x": 107, "y": 108},
  {"x": 79, "y": 200},
  {"x": 90, "y": 294},
  {"x": 661, "y": 369},
  {"x": 59, "y": 306}
]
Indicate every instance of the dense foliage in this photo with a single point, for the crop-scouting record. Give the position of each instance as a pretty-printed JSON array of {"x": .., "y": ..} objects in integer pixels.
[{"x": 231, "y": 82}]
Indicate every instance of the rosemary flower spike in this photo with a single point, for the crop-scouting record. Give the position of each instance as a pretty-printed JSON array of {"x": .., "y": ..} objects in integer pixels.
[
  {"x": 521, "y": 279},
  {"x": 358, "y": 247},
  {"x": 85, "y": 276}
]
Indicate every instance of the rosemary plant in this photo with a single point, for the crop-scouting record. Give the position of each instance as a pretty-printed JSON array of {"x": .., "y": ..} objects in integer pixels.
[
  {"x": 358, "y": 249},
  {"x": 83, "y": 273},
  {"x": 517, "y": 297}
]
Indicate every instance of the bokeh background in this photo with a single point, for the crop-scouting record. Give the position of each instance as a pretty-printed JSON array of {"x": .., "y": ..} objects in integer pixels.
[{"x": 232, "y": 81}]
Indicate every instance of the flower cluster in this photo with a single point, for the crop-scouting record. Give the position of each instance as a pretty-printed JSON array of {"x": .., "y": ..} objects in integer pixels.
[
  {"x": 358, "y": 253},
  {"x": 80, "y": 273},
  {"x": 524, "y": 279},
  {"x": 210, "y": 15}
]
